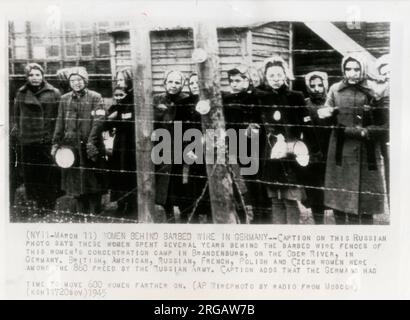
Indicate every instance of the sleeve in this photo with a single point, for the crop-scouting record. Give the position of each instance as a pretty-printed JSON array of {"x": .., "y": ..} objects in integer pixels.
[
  {"x": 98, "y": 121},
  {"x": 302, "y": 120},
  {"x": 16, "y": 117},
  {"x": 330, "y": 100},
  {"x": 379, "y": 128},
  {"x": 52, "y": 115},
  {"x": 59, "y": 126}
]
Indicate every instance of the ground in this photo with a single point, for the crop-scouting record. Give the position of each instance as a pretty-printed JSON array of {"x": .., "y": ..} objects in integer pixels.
[{"x": 26, "y": 211}]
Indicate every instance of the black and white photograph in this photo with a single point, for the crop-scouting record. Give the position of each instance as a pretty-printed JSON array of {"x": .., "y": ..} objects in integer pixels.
[
  {"x": 273, "y": 122},
  {"x": 205, "y": 150}
]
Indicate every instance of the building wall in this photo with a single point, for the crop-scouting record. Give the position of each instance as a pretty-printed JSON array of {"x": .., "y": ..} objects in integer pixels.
[
  {"x": 312, "y": 53},
  {"x": 172, "y": 49}
]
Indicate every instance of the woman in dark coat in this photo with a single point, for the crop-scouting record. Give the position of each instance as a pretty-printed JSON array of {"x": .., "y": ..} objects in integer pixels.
[
  {"x": 318, "y": 142},
  {"x": 122, "y": 162},
  {"x": 35, "y": 111},
  {"x": 283, "y": 115},
  {"x": 79, "y": 125},
  {"x": 167, "y": 110},
  {"x": 355, "y": 187},
  {"x": 195, "y": 191},
  {"x": 242, "y": 114}
]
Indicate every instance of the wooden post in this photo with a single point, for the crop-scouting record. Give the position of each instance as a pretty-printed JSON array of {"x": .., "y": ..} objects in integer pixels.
[
  {"x": 219, "y": 178},
  {"x": 144, "y": 116},
  {"x": 291, "y": 62}
]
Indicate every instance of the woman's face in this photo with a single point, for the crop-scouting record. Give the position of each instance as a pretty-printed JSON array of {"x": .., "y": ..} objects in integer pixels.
[
  {"x": 255, "y": 77},
  {"x": 35, "y": 77},
  {"x": 173, "y": 84},
  {"x": 77, "y": 83},
  {"x": 193, "y": 85},
  {"x": 121, "y": 80},
  {"x": 352, "y": 72},
  {"x": 275, "y": 76},
  {"x": 119, "y": 95}
]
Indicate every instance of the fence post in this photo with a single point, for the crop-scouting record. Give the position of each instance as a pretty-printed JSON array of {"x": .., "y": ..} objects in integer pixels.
[
  {"x": 142, "y": 83},
  {"x": 220, "y": 180}
]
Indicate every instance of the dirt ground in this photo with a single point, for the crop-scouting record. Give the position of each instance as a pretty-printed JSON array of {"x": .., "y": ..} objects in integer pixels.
[{"x": 24, "y": 211}]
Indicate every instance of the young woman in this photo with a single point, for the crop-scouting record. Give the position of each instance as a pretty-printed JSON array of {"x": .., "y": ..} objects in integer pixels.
[{"x": 283, "y": 115}]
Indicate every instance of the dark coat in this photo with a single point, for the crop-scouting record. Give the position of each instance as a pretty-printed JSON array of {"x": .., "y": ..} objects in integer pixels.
[
  {"x": 168, "y": 176},
  {"x": 123, "y": 154},
  {"x": 35, "y": 114},
  {"x": 80, "y": 122},
  {"x": 354, "y": 163},
  {"x": 34, "y": 122},
  {"x": 291, "y": 115},
  {"x": 317, "y": 141},
  {"x": 240, "y": 110}
]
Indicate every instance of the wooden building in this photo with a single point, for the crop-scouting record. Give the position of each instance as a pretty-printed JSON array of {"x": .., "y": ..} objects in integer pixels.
[
  {"x": 104, "y": 47},
  {"x": 172, "y": 48},
  {"x": 310, "y": 52}
]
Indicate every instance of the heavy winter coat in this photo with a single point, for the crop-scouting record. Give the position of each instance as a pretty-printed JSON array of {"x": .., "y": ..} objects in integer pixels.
[
  {"x": 35, "y": 114},
  {"x": 283, "y": 112},
  {"x": 354, "y": 179},
  {"x": 80, "y": 122},
  {"x": 123, "y": 154},
  {"x": 168, "y": 176}
]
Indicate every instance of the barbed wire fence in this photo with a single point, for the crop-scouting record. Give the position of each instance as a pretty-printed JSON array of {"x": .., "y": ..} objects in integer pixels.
[{"x": 28, "y": 210}]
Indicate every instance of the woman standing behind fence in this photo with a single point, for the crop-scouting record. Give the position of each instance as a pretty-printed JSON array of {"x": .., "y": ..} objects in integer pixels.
[
  {"x": 318, "y": 142},
  {"x": 167, "y": 110},
  {"x": 122, "y": 161},
  {"x": 354, "y": 181},
  {"x": 36, "y": 108},
  {"x": 79, "y": 126},
  {"x": 283, "y": 115}
]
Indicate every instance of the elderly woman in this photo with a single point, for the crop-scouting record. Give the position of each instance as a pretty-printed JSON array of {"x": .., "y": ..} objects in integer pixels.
[
  {"x": 318, "y": 142},
  {"x": 283, "y": 115},
  {"x": 79, "y": 126},
  {"x": 354, "y": 183},
  {"x": 35, "y": 111},
  {"x": 168, "y": 108}
]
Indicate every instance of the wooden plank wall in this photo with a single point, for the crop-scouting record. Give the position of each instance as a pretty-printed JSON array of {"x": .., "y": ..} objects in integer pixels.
[
  {"x": 170, "y": 50},
  {"x": 270, "y": 39},
  {"x": 312, "y": 53}
]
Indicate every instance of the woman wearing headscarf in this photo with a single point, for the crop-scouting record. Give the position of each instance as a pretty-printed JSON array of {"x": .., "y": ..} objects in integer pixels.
[
  {"x": 284, "y": 114},
  {"x": 79, "y": 126},
  {"x": 35, "y": 111},
  {"x": 317, "y": 140},
  {"x": 168, "y": 108},
  {"x": 354, "y": 182}
]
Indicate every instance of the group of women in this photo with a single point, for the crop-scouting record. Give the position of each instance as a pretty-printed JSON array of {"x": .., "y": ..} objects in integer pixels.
[{"x": 345, "y": 131}]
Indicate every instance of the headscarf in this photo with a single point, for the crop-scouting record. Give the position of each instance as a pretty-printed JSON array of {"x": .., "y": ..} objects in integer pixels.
[
  {"x": 359, "y": 59},
  {"x": 81, "y": 71},
  {"x": 321, "y": 75},
  {"x": 31, "y": 66}
]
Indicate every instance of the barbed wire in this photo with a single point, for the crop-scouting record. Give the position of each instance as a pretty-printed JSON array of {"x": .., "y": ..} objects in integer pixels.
[{"x": 272, "y": 183}]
